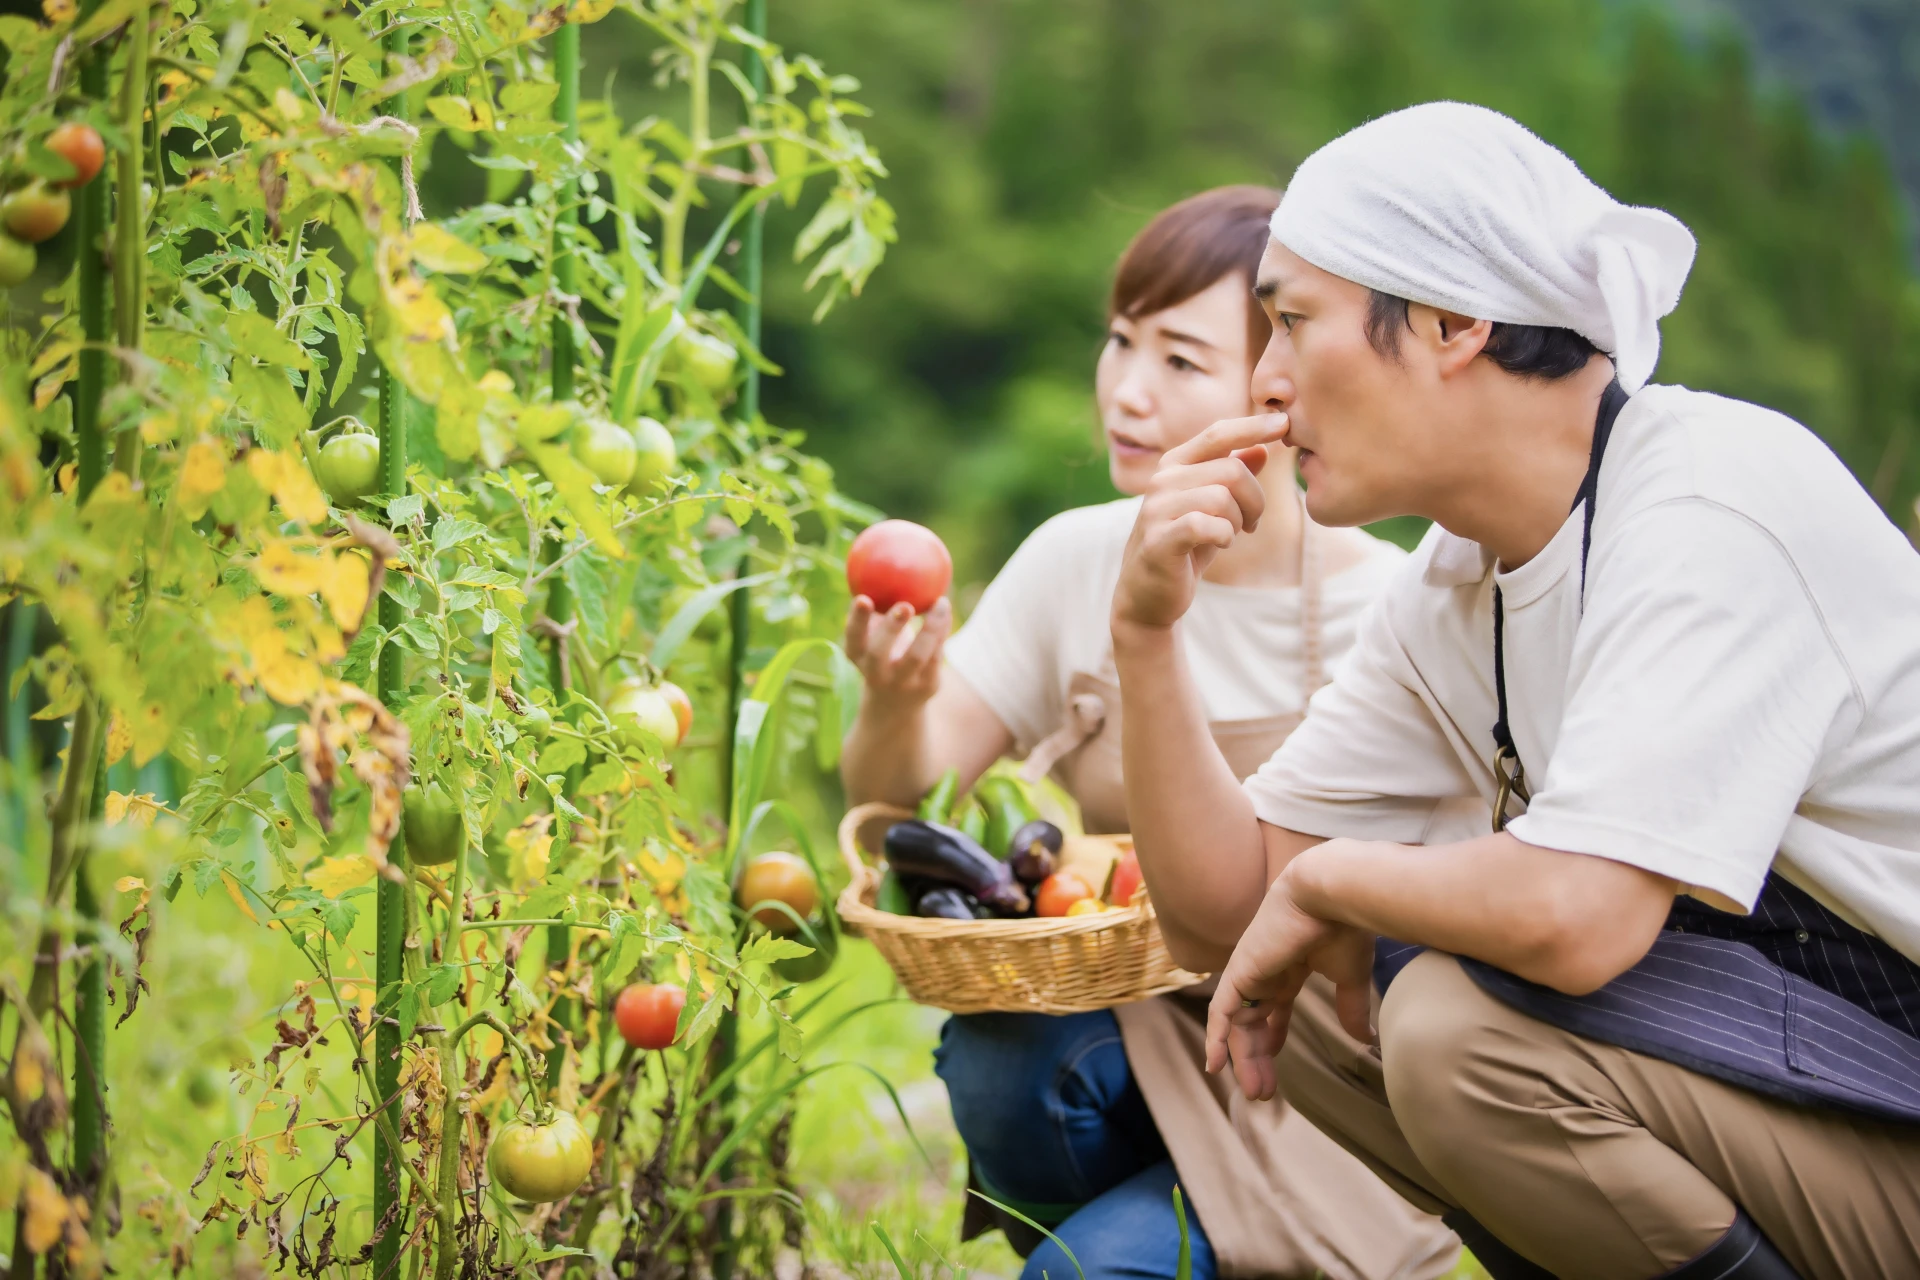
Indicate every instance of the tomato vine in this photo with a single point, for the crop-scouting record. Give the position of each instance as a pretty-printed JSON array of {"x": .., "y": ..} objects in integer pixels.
[{"x": 328, "y": 660}]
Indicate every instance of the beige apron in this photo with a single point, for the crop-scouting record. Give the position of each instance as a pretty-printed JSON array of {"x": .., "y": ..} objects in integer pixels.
[{"x": 1277, "y": 1197}]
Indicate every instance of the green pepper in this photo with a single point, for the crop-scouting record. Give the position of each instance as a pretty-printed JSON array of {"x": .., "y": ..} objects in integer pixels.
[
  {"x": 892, "y": 896},
  {"x": 1009, "y": 808},
  {"x": 936, "y": 803},
  {"x": 970, "y": 818}
]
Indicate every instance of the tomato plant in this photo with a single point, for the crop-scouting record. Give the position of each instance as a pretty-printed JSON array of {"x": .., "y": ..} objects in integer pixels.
[
  {"x": 782, "y": 878},
  {"x": 349, "y": 467},
  {"x": 898, "y": 561},
  {"x": 81, "y": 147},
  {"x": 648, "y": 1013},
  {"x": 35, "y": 212},
  {"x": 393, "y": 732}
]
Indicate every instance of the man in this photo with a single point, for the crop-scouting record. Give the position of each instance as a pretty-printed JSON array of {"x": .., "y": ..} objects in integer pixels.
[{"x": 1667, "y": 1022}]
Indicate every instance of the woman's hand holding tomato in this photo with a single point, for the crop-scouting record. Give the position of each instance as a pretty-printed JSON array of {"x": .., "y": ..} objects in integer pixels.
[
  {"x": 896, "y": 570},
  {"x": 902, "y": 670}
]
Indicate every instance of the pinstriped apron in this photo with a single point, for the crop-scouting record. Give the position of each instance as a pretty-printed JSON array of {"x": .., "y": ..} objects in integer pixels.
[{"x": 1276, "y": 1196}]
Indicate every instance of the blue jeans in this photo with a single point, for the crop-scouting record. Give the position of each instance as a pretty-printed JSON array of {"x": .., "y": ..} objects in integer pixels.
[{"x": 1056, "y": 1126}]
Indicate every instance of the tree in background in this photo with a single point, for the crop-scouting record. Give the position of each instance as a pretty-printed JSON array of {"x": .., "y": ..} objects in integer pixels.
[{"x": 1028, "y": 140}]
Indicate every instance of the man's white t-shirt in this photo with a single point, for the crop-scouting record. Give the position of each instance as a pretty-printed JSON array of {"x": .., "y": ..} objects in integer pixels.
[
  {"x": 1740, "y": 690},
  {"x": 1047, "y": 616}
]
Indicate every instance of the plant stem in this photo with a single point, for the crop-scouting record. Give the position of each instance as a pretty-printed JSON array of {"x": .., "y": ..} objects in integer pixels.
[
  {"x": 391, "y": 899},
  {"x": 130, "y": 250},
  {"x": 566, "y": 107},
  {"x": 740, "y": 615},
  {"x": 451, "y": 1082}
]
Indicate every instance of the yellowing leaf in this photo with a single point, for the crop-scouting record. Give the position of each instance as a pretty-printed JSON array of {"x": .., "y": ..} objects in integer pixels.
[
  {"x": 46, "y": 1212},
  {"x": 334, "y": 876},
  {"x": 134, "y": 810},
  {"x": 286, "y": 477},
  {"x": 202, "y": 474},
  {"x": 437, "y": 249},
  {"x": 344, "y": 586},
  {"x": 57, "y": 12},
  {"x": 283, "y": 570},
  {"x": 119, "y": 740},
  {"x": 263, "y": 393},
  {"x": 127, "y": 884},
  {"x": 288, "y": 677},
  {"x": 239, "y": 899},
  {"x": 460, "y": 113},
  {"x": 291, "y": 109}
]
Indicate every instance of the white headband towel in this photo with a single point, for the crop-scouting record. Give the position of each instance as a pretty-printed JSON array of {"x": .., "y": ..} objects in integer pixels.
[{"x": 1462, "y": 208}]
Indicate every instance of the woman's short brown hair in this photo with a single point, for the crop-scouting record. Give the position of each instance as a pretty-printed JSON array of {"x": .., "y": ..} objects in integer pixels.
[{"x": 1189, "y": 247}]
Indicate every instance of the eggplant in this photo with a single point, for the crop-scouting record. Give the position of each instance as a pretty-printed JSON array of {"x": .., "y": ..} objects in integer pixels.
[
  {"x": 935, "y": 852},
  {"x": 1033, "y": 849},
  {"x": 944, "y": 902}
]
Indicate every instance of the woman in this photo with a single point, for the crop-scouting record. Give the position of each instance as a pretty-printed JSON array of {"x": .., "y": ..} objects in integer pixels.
[{"x": 1084, "y": 1122}]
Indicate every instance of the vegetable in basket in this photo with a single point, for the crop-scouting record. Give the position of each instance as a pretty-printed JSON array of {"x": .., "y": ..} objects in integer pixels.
[
  {"x": 1009, "y": 809},
  {"x": 937, "y": 802},
  {"x": 940, "y": 853},
  {"x": 1033, "y": 851},
  {"x": 944, "y": 902}
]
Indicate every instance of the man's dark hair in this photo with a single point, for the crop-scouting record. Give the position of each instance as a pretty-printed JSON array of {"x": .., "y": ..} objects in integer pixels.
[{"x": 1525, "y": 350}]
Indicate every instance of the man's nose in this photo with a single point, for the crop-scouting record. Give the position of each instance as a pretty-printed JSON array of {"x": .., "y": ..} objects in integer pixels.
[{"x": 1272, "y": 386}]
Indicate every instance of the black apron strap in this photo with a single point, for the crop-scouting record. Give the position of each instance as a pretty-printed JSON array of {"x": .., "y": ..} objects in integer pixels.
[{"x": 1507, "y": 768}]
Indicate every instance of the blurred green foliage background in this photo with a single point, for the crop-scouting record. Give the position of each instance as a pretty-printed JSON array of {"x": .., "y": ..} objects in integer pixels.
[{"x": 1028, "y": 139}]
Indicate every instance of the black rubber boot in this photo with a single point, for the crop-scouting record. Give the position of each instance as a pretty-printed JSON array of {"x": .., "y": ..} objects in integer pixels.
[
  {"x": 1500, "y": 1262},
  {"x": 1741, "y": 1254}
]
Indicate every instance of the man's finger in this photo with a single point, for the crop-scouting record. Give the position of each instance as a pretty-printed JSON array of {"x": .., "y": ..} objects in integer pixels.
[
  {"x": 1354, "y": 1004},
  {"x": 1222, "y": 438},
  {"x": 1232, "y": 475}
]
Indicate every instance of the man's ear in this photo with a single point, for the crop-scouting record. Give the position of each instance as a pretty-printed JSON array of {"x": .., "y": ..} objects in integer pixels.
[{"x": 1452, "y": 339}]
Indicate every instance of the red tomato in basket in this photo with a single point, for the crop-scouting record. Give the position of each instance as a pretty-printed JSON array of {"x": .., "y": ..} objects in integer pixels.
[
  {"x": 898, "y": 560},
  {"x": 648, "y": 1013},
  {"x": 1058, "y": 892},
  {"x": 1126, "y": 879}
]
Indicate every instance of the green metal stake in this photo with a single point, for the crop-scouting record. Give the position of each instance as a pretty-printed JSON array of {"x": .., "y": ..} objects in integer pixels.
[
  {"x": 566, "y": 108},
  {"x": 90, "y": 990},
  {"x": 390, "y": 899},
  {"x": 739, "y": 614}
]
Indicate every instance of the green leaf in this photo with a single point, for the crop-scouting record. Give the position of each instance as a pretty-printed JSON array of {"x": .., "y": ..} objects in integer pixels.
[
  {"x": 255, "y": 335},
  {"x": 263, "y": 394},
  {"x": 606, "y": 776},
  {"x": 562, "y": 754},
  {"x": 765, "y": 948},
  {"x": 443, "y": 981},
  {"x": 437, "y": 249},
  {"x": 574, "y": 483},
  {"x": 689, "y": 615}
]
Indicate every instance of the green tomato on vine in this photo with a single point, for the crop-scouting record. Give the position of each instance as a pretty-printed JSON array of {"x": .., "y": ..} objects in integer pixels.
[
  {"x": 348, "y": 467},
  {"x": 435, "y": 831},
  {"x": 17, "y": 261},
  {"x": 605, "y": 450},
  {"x": 708, "y": 360},
  {"x": 656, "y": 456}
]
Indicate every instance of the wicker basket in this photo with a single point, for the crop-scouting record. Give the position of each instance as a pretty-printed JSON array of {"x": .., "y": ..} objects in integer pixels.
[{"x": 1069, "y": 964}]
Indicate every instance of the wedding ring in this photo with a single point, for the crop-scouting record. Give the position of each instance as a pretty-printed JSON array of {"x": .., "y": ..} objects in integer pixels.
[{"x": 1249, "y": 1004}]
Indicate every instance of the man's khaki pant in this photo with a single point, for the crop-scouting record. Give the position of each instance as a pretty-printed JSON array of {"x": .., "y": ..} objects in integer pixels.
[{"x": 1594, "y": 1161}]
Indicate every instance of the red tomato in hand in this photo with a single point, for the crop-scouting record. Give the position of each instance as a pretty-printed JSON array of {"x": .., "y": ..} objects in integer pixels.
[
  {"x": 648, "y": 1013},
  {"x": 1058, "y": 892},
  {"x": 898, "y": 560},
  {"x": 80, "y": 146},
  {"x": 1126, "y": 879}
]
